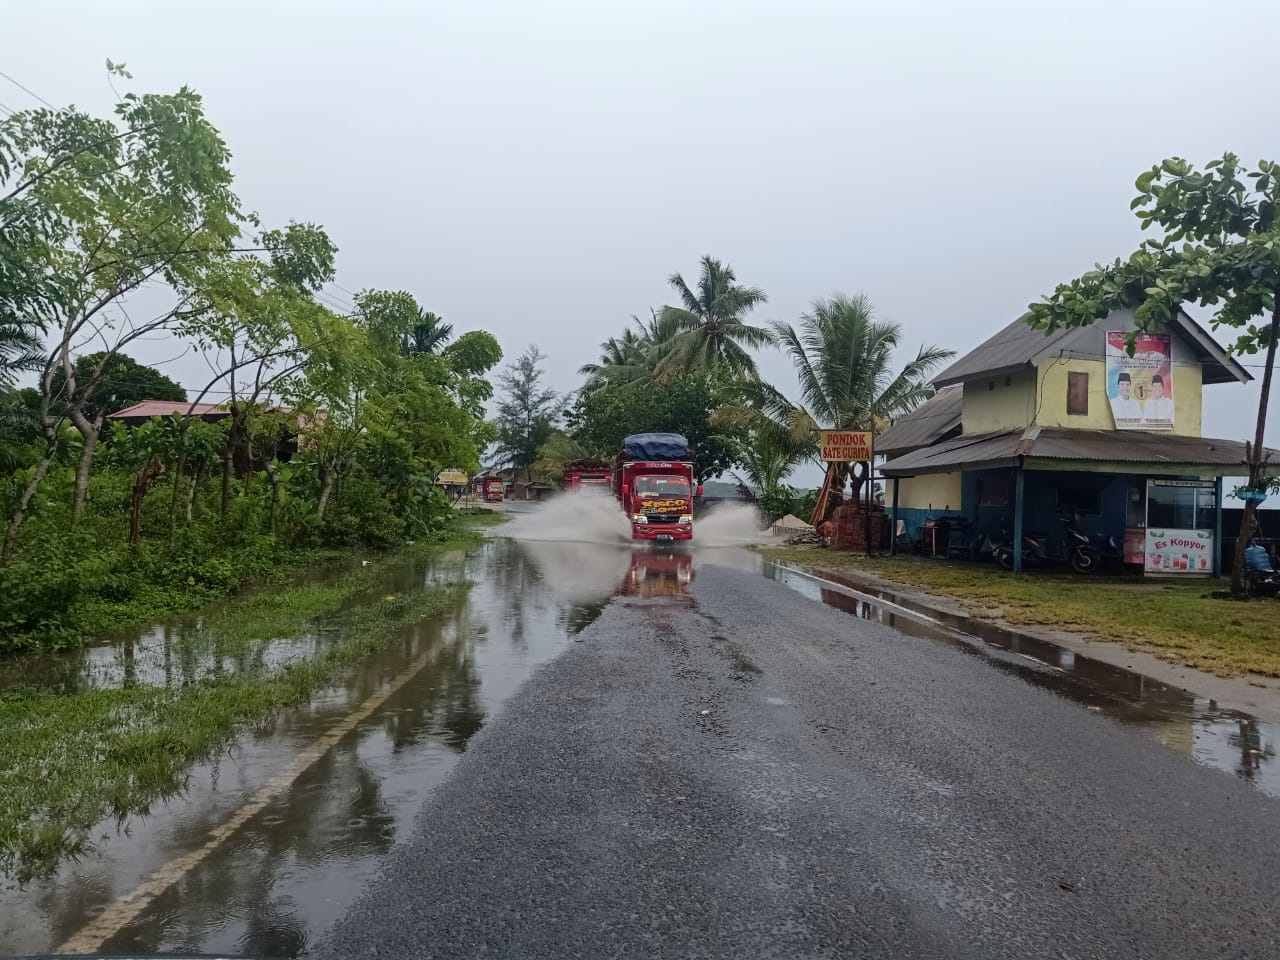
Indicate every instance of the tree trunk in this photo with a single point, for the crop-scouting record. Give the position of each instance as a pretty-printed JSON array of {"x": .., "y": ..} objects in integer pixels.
[
  {"x": 179, "y": 471},
  {"x": 229, "y": 459},
  {"x": 273, "y": 471},
  {"x": 89, "y": 431},
  {"x": 142, "y": 482},
  {"x": 1257, "y": 457},
  {"x": 327, "y": 477},
  {"x": 832, "y": 493},
  {"x": 20, "y": 514},
  {"x": 192, "y": 491}
]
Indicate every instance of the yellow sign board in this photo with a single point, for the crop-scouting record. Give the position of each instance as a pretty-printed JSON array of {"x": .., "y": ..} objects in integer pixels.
[
  {"x": 452, "y": 478},
  {"x": 846, "y": 446}
]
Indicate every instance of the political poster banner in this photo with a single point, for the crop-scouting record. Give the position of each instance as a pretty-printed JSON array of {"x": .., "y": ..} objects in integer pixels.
[{"x": 1140, "y": 387}]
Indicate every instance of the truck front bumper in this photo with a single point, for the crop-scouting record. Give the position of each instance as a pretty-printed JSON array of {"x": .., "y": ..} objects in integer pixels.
[{"x": 662, "y": 531}]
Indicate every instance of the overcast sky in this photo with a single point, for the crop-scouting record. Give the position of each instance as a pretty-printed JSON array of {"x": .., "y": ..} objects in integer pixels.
[{"x": 538, "y": 169}]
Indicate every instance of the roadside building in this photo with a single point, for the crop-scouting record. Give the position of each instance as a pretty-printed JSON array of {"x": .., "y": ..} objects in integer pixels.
[
  {"x": 1028, "y": 428},
  {"x": 292, "y": 428}
]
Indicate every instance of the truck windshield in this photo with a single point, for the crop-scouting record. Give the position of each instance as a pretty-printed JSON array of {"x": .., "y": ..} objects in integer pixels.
[{"x": 662, "y": 486}]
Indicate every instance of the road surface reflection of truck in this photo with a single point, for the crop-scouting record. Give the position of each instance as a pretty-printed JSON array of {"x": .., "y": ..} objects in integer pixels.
[
  {"x": 661, "y": 573},
  {"x": 588, "y": 475},
  {"x": 653, "y": 481}
]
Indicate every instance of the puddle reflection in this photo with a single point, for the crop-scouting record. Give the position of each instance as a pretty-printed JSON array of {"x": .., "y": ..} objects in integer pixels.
[
  {"x": 296, "y": 865},
  {"x": 279, "y": 882},
  {"x": 1196, "y": 726}
]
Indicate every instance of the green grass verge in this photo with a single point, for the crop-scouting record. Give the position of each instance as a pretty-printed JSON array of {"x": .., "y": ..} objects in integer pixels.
[
  {"x": 1179, "y": 622},
  {"x": 69, "y": 761}
]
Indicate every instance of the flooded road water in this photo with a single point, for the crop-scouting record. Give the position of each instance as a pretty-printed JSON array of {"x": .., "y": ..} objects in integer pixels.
[
  {"x": 296, "y": 862},
  {"x": 1195, "y": 726}
]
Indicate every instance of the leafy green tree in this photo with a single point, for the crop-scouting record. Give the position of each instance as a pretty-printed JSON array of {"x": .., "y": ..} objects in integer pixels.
[
  {"x": 1220, "y": 247},
  {"x": 844, "y": 359},
  {"x": 527, "y": 411},
  {"x": 145, "y": 451},
  {"x": 469, "y": 359},
  {"x": 710, "y": 331},
  {"x": 682, "y": 403},
  {"x": 560, "y": 448},
  {"x": 145, "y": 198},
  {"x": 122, "y": 382},
  {"x": 260, "y": 318}
]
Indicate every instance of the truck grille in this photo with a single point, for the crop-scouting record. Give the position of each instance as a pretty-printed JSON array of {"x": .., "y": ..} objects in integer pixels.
[{"x": 664, "y": 518}]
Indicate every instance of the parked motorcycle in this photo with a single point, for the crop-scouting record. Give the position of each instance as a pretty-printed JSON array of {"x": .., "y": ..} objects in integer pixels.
[
  {"x": 987, "y": 547},
  {"x": 1038, "y": 550}
]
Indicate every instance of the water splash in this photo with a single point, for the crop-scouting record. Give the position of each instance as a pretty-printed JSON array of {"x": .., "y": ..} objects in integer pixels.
[
  {"x": 577, "y": 517},
  {"x": 591, "y": 516},
  {"x": 730, "y": 525}
]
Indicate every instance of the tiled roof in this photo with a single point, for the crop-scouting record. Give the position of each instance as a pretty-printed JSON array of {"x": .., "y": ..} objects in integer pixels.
[{"x": 165, "y": 408}]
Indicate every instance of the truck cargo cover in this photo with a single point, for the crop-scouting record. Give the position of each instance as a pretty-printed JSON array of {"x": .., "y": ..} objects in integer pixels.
[{"x": 655, "y": 446}]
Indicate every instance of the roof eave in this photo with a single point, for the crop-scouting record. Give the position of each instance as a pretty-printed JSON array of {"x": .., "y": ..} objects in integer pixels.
[
  {"x": 945, "y": 381},
  {"x": 1232, "y": 370}
]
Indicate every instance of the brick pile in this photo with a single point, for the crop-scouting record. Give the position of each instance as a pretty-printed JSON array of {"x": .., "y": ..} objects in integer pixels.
[{"x": 849, "y": 527}]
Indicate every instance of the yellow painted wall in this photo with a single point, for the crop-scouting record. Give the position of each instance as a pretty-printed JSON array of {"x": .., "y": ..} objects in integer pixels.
[
  {"x": 991, "y": 405},
  {"x": 937, "y": 490},
  {"x": 1052, "y": 400},
  {"x": 1188, "y": 392}
]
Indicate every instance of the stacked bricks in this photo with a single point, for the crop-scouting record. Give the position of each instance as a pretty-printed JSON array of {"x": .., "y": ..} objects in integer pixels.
[{"x": 849, "y": 528}]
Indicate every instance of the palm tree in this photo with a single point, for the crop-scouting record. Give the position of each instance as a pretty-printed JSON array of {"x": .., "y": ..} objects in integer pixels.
[
  {"x": 428, "y": 335},
  {"x": 708, "y": 329},
  {"x": 632, "y": 359},
  {"x": 844, "y": 361},
  {"x": 19, "y": 430},
  {"x": 766, "y": 458},
  {"x": 20, "y": 350},
  {"x": 623, "y": 360}
]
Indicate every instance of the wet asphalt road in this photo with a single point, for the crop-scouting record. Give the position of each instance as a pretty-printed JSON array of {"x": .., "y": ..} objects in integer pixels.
[{"x": 745, "y": 773}]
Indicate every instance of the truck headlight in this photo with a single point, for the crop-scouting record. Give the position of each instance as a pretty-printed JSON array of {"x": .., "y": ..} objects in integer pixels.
[
  {"x": 639, "y": 518},
  {"x": 686, "y": 518}
]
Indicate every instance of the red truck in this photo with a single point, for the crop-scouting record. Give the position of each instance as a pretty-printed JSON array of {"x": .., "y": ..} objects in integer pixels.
[
  {"x": 488, "y": 487},
  {"x": 653, "y": 481},
  {"x": 588, "y": 475}
]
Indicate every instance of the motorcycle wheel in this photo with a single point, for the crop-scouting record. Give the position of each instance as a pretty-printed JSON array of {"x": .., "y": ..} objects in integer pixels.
[
  {"x": 1085, "y": 560},
  {"x": 1004, "y": 557}
]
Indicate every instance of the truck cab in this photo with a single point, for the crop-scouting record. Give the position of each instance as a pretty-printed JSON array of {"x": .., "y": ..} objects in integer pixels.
[{"x": 653, "y": 481}]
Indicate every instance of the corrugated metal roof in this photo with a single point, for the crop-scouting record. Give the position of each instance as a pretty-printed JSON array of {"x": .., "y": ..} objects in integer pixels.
[
  {"x": 1012, "y": 348},
  {"x": 1018, "y": 346},
  {"x": 980, "y": 450},
  {"x": 1135, "y": 446},
  {"x": 934, "y": 418},
  {"x": 1097, "y": 446}
]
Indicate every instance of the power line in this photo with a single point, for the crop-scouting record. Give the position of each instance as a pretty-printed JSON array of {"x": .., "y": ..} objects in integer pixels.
[
  {"x": 28, "y": 90},
  {"x": 331, "y": 301}
]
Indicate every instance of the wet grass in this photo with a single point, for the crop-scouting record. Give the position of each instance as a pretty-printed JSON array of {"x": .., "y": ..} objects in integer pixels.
[
  {"x": 67, "y": 761},
  {"x": 1179, "y": 622}
]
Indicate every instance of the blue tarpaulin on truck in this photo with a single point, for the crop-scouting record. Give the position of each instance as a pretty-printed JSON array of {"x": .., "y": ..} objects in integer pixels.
[{"x": 655, "y": 446}]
